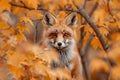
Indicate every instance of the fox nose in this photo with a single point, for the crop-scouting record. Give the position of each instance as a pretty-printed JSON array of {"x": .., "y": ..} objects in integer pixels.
[{"x": 59, "y": 44}]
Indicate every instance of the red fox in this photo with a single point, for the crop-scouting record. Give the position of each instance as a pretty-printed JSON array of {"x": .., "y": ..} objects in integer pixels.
[{"x": 60, "y": 35}]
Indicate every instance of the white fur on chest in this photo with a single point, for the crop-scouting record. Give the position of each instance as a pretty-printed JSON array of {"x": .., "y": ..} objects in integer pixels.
[{"x": 66, "y": 57}]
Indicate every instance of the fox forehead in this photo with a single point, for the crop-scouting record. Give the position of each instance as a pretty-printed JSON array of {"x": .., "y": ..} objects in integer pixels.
[{"x": 59, "y": 29}]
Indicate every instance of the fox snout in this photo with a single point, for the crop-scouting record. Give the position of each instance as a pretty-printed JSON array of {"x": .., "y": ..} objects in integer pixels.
[{"x": 60, "y": 43}]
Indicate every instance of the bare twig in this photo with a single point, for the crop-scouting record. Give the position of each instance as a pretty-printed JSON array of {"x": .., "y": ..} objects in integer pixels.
[
  {"x": 108, "y": 6},
  {"x": 35, "y": 36},
  {"x": 3, "y": 55},
  {"x": 84, "y": 5},
  {"x": 85, "y": 49},
  {"x": 109, "y": 10},
  {"x": 82, "y": 34},
  {"x": 93, "y": 9},
  {"x": 83, "y": 54},
  {"x": 24, "y": 6}
]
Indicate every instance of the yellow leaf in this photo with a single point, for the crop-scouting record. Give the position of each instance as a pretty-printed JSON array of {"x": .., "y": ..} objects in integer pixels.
[
  {"x": 22, "y": 28},
  {"x": 79, "y": 2},
  {"x": 20, "y": 38},
  {"x": 4, "y": 5},
  {"x": 8, "y": 32},
  {"x": 3, "y": 25},
  {"x": 115, "y": 73},
  {"x": 104, "y": 31},
  {"x": 99, "y": 15},
  {"x": 98, "y": 67},
  {"x": 16, "y": 71},
  {"x": 96, "y": 43},
  {"x": 12, "y": 41},
  {"x": 32, "y": 3},
  {"x": 115, "y": 36},
  {"x": 34, "y": 14},
  {"x": 26, "y": 20}
]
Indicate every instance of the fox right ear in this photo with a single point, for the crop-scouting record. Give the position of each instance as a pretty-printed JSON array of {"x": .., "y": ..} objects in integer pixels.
[
  {"x": 49, "y": 19},
  {"x": 71, "y": 19}
]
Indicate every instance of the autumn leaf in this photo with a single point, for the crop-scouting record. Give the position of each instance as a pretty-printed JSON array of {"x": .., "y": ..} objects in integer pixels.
[
  {"x": 17, "y": 72},
  {"x": 6, "y": 6},
  {"x": 96, "y": 43},
  {"x": 104, "y": 31},
  {"x": 33, "y": 3},
  {"x": 20, "y": 38},
  {"x": 26, "y": 20},
  {"x": 22, "y": 28},
  {"x": 3, "y": 25},
  {"x": 24, "y": 59}
]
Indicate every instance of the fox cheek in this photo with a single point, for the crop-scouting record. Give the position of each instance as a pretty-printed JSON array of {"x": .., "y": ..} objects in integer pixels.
[
  {"x": 66, "y": 41},
  {"x": 52, "y": 41}
]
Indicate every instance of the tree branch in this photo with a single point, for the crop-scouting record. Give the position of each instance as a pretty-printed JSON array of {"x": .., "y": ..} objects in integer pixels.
[
  {"x": 84, "y": 5},
  {"x": 83, "y": 54},
  {"x": 24, "y": 6},
  {"x": 108, "y": 6},
  {"x": 82, "y": 34},
  {"x": 93, "y": 9},
  {"x": 94, "y": 27}
]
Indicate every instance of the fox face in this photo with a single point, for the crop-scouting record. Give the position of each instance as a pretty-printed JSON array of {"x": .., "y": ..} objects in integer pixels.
[
  {"x": 59, "y": 33},
  {"x": 59, "y": 38}
]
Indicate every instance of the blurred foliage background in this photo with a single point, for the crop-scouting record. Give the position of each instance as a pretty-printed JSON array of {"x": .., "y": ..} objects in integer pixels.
[{"x": 21, "y": 27}]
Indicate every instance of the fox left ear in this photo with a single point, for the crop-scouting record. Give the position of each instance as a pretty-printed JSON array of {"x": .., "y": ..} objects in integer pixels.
[
  {"x": 71, "y": 19},
  {"x": 49, "y": 19}
]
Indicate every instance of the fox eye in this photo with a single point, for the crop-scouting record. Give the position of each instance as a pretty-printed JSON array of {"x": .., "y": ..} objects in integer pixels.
[
  {"x": 66, "y": 35},
  {"x": 53, "y": 35}
]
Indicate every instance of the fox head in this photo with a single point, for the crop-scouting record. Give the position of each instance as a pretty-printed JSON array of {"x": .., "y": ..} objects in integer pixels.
[{"x": 59, "y": 33}]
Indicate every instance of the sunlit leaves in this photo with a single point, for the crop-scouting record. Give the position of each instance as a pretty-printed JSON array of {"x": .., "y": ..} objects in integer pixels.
[
  {"x": 15, "y": 71},
  {"x": 35, "y": 14},
  {"x": 115, "y": 73},
  {"x": 3, "y": 25},
  {"x": 96, "y": 43},
  {"x": 104, "y": 31},
  {"x": 12, "y": 41},
  {"x": 33, "y": 3},
  {"x": 6, "y": 6},
  {"x": 22, "y": 28},
  {"x": 21, "y": 60},
  {"x": 26, "y": 20}
]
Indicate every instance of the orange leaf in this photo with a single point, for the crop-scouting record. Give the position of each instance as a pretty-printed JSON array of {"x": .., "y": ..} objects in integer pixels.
[
  {"x": 22, "y": 28},
  {"x": 16, "y": 71},
  {"x": 3, "y": 25},
  {"x": 104, "y": 31},
  {"x": 4, "y": 5},
  {"x": 96, "y": 43},
  {"x": 20, "y": 38},
  {"x": 26, "y": 20}
]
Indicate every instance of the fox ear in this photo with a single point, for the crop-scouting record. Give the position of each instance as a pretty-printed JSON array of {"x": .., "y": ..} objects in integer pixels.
[
  {"x": 49, "y": 19},
  {"x": 71, "y": 19}
]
